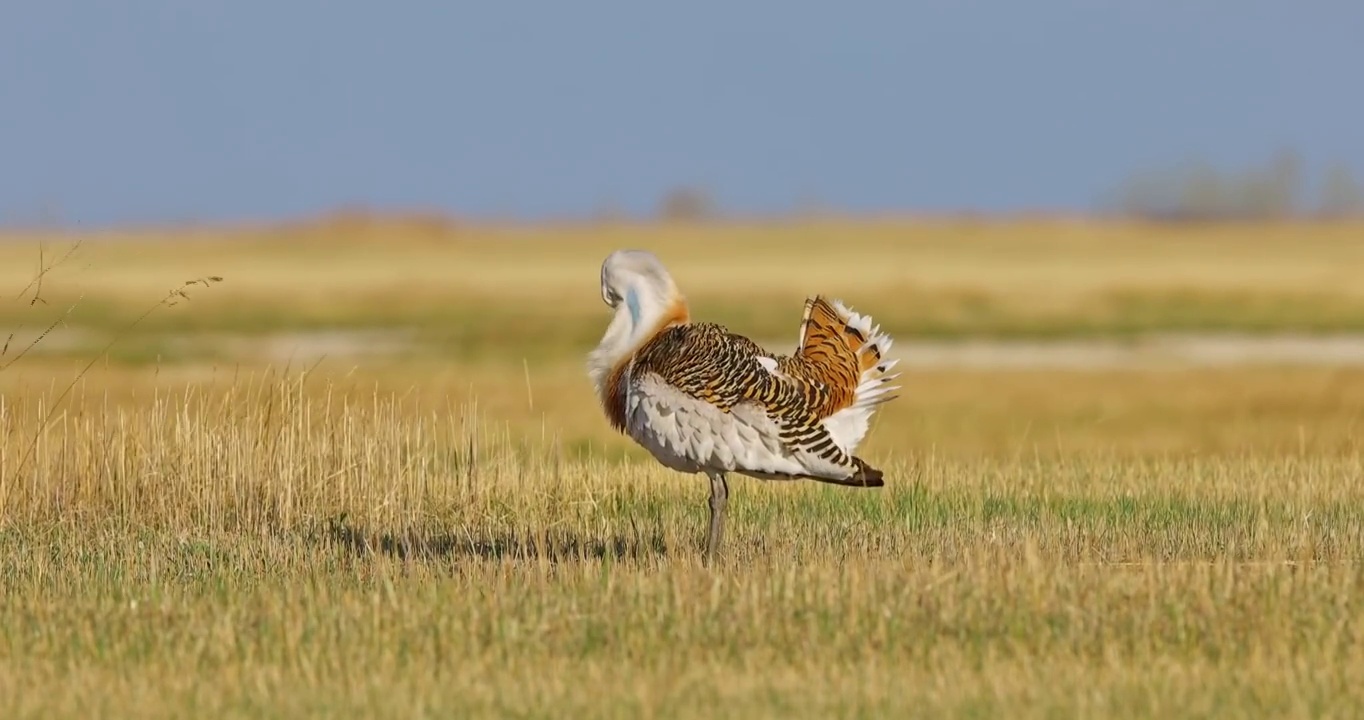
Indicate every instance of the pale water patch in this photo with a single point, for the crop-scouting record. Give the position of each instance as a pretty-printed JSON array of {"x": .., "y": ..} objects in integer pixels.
[
  {"x": 271, "y": 347},
  {"x": 1150, "y": 351},
  {"x": 1142, "y": 352},
  {"x": 303, "y": 346}
]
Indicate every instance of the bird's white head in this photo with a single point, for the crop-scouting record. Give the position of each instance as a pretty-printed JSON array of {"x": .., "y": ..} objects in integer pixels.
[
  {"x": 636, "y": 285},
  {"x": 638, "y": 279}
]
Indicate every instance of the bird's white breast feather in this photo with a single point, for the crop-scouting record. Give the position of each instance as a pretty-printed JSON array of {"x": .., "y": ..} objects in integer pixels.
[{"x": 688, "y": 434}]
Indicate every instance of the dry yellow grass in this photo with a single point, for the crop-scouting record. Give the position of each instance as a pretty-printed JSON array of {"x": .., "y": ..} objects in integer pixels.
[
  {"x": 437, "y": 536},
  {"x": 270, "y": 549}
]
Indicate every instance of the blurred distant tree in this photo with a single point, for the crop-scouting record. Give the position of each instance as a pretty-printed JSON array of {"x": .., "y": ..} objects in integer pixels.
[
  {"x": 46, "y": 216},
  {"x": 1272, "y": 193},
  {"x": 1143, "y": 194},
  {"x": 1196, "y": 191},
  {"x": 1340, "y": 194},
  {"x": 1286, "y": 179},
  {"x": 686, "y": 204},
  {"x": 1204, "y": 194},
  {"x": 810, "y": 207},
  {"x": 610, "y": 212}
]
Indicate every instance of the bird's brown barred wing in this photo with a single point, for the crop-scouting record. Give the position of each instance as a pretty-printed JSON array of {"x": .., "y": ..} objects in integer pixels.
[{"x": 718, "y": 399}]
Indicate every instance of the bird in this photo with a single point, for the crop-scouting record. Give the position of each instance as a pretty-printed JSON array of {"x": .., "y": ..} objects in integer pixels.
[{"x": 702, "y": 399}]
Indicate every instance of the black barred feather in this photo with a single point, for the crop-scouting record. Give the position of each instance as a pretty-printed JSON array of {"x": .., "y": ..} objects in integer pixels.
[{"x": 706, "y": 361}]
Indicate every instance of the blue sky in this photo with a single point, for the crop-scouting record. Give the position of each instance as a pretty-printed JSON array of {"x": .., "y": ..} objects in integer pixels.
[{"x": 171, "y": 111}]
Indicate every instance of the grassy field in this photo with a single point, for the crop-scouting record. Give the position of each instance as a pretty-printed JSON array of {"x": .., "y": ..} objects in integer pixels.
[
  {"x": 486, "y": 293},
  {"x": 452, "y": 530}
]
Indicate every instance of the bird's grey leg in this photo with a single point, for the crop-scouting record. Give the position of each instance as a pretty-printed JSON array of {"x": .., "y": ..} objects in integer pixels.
[{"x": 719, "y": 494}]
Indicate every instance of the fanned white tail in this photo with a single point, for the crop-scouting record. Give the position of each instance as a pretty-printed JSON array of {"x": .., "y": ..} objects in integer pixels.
[{"x": 826, "y": 321}]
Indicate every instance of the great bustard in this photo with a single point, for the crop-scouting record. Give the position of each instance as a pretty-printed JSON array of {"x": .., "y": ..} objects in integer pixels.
[{"x": 702, "y": 399}]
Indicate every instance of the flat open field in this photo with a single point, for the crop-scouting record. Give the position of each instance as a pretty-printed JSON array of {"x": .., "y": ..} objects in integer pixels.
[
  {"x": 364, "y": 476},
  {"x": 532, "y": 292}
]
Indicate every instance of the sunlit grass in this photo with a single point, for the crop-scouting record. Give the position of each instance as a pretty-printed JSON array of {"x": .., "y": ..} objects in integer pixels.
[
  {"x": 452, "y": 530},
  {"x": 266, "y": 548}
]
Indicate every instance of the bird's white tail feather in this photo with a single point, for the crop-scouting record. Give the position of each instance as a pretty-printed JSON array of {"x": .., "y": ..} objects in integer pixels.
[
  {"x": 849, "y": 425},
  {"x": 872, "y": 387}
]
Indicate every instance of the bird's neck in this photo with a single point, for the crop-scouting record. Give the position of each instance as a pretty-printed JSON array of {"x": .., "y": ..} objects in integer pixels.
[{"x": 641, "y": 314}]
